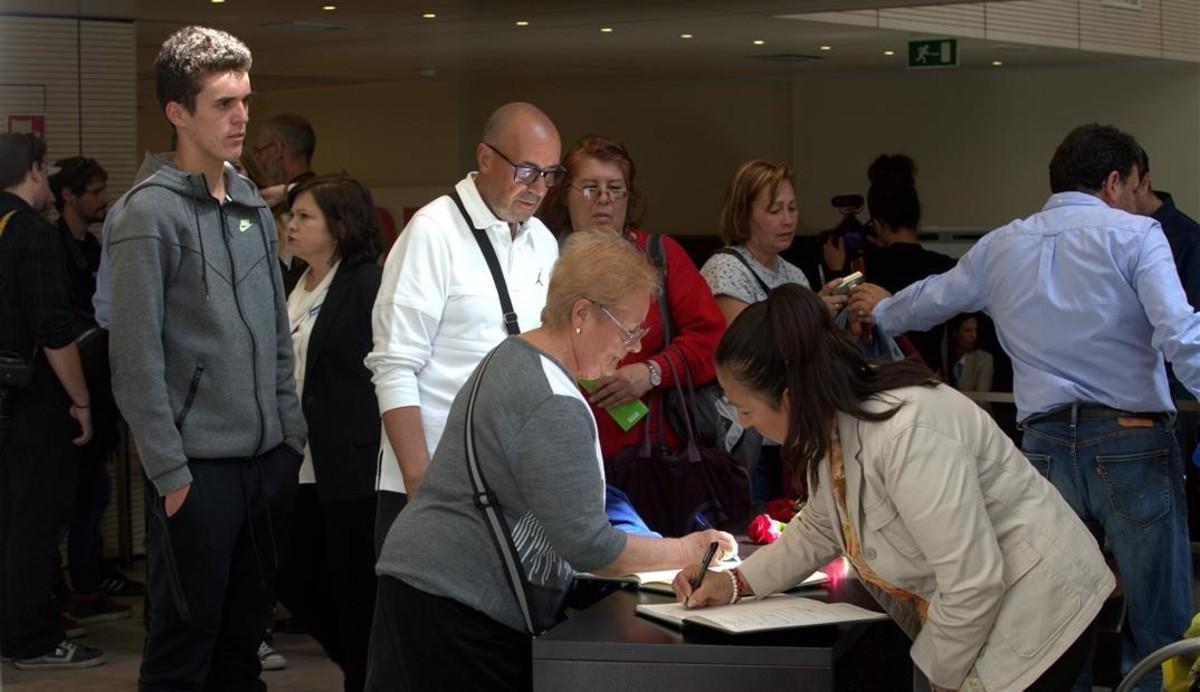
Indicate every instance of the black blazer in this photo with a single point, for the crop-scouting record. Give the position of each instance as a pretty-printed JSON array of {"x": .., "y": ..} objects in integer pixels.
[{"x": 339, "y": 399}]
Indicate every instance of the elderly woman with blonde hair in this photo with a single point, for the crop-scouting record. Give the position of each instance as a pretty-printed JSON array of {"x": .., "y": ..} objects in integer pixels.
[{"x": 513, "y": 504}]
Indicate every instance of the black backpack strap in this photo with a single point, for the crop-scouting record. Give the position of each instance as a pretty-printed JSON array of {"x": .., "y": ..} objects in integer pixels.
[
  {"x": 489, "y": 504},
  {"x": 730, "y": 251},
  {"x": 658, "y": 256},
  {"x": 493, "y": 263}
]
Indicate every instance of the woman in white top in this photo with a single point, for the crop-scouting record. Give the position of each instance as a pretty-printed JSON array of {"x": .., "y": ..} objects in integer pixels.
[
  {"x": 332, "y": 226},
  {"x": 758, "y": 221},
  {"x": 969, "y": 549}
]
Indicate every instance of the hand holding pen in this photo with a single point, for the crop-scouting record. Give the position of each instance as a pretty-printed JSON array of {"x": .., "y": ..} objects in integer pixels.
[
  {"x": 694, "y": 591},
  {"x": 704, "y": 563}
]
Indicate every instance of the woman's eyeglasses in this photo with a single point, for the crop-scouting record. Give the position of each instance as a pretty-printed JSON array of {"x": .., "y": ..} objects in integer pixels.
[
  {"x": 630, "y": 337},
  {"x": 527, "y": 173},
  {"x": 592, "y": 193}
]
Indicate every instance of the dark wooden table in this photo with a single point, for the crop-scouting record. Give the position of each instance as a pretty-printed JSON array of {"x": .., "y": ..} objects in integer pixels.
[{"x": 609, "y": 647}]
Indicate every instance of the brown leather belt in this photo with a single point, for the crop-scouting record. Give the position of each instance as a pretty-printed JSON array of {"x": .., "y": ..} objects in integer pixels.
[{"x": 1077, "y": 412}]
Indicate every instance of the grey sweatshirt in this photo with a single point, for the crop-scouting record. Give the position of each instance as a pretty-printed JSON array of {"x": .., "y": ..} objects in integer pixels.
[
  {"x": 200, "y": 345},
  {"x": 536, "y": 441}
]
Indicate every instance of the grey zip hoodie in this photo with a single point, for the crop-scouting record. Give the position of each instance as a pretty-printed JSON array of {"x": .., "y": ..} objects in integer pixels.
[{"x": 199, "y": 341}]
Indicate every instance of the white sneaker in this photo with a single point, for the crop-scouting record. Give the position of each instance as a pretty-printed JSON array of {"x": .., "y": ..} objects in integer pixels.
[
  {"x": 270, "y": 658},
  {"x": 67, "y": 655}
]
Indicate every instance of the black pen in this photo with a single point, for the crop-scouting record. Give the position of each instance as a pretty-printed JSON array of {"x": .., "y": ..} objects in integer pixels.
[{"x": 708, "y": 556}]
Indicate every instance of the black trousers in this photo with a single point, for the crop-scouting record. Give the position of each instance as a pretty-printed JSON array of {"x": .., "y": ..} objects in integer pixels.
[
  {"x": 424, "y": 642},
  {"x": 390, "y": 505},
  {"x": 327, "y": 577},
  {"x": 85, "y": 545},
  {"x": 1061, "y": 676},
  {"x": 209, "y": 570},
  {"x": 38, "y": 471}
]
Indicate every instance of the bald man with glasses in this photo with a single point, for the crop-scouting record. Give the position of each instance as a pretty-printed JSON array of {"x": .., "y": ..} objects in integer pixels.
[{"x": 444, "y": 302}]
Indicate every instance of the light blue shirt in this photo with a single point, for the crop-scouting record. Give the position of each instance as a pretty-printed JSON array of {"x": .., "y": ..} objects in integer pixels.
[
  {"x": 102, "y": 298},
  {"x": 1086, "y": 301}
]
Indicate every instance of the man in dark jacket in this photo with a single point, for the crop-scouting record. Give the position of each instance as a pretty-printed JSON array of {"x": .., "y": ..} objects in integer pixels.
[
  {"x": 81, "y": 197},
  {"x": 1182, "y": 231},
  {"x": 202, "y": 371},
  {"x": 40, "y": 418}
]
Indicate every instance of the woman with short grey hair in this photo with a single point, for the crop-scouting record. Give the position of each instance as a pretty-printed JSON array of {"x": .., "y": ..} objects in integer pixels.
[{"x": 460, "y": 590}]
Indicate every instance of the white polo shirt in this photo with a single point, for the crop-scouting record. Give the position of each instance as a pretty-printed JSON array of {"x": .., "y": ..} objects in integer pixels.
[{"x": 437, "y": 312}]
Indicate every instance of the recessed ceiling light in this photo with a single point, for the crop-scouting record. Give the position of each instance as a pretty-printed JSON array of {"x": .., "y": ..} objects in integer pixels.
[
  {"x": 889, "y": 52},
  {"x": 759, "y": 42},
  {"x": 329, "y": 8},
  {"x": 606, "y": 29},
  {"x": 522, "y": 22},
  {"x": 685, "y": 36},
  {"x": 826, "y": 47},
  {"x": 217, "y": 2},
  {"x": 429, "y": 15},
  {"x": 997, "y": 63}
]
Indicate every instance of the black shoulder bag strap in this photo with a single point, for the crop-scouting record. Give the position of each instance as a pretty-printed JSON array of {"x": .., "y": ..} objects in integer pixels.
[
  {"x": 658, "y": 256},
  {"x": 738, "y": 255},
  {"x": 493, "y": 263},
  {"x": 489, "y": 504}
]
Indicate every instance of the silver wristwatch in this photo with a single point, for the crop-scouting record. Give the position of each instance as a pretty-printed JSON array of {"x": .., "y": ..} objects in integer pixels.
[{"x": 655, "y": 373}]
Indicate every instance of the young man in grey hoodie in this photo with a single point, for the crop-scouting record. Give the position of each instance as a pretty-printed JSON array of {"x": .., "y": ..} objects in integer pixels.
[{"x": 202, "y": 371}]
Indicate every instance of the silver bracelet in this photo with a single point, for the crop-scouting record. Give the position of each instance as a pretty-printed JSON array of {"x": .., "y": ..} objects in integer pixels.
[{"x": 733, "y": 581}]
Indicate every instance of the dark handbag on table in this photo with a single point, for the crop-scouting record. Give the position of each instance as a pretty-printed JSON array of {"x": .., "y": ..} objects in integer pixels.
[
  {"x": 712, "y": 429},
  {"x": 698, "y": 488}
]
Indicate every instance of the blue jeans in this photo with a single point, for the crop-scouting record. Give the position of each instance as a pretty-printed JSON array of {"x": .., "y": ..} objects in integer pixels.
[{"x": 1126, "y": 483}]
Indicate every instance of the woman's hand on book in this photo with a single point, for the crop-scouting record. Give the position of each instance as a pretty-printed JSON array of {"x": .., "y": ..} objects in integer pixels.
[{"x": 696, "y": 543}]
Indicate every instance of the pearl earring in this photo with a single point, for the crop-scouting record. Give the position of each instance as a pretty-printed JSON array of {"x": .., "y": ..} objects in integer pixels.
[{"x": 578, "y": 330}]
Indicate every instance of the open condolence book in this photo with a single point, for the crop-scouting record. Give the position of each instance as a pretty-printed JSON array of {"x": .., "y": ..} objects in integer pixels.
[
  {"x": 775, "y": 613},
  {"x": 660, "y": 581}
]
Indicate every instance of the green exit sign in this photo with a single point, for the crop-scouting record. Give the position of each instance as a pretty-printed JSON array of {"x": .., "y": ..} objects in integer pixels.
[{"x": 930, "y": 53}]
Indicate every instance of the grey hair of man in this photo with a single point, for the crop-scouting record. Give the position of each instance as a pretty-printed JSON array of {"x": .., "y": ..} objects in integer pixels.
[{"x": 296, "y": 134}]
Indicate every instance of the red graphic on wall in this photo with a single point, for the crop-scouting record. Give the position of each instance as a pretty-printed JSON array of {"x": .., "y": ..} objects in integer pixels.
[{"x": 28, "y": 124}]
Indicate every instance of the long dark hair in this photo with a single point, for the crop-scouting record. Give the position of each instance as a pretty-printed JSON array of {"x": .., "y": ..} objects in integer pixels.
[{"x": 788, "y": 342}]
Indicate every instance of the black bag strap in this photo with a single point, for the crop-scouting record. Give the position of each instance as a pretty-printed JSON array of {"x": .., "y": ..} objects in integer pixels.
[
  {"x": 8, "y": 216},
  {"x": 730, "y": 251},
  {"x": 659, "y": 257},
  {"x": 489, "y": 504},
  {"x": 718, "y": 515},
  {"x": 692, "y": 451},
  {"x": 493, "y": 263}
]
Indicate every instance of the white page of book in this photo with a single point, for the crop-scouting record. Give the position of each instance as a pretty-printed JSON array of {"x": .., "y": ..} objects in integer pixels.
[{"x": 776, "y": 612}]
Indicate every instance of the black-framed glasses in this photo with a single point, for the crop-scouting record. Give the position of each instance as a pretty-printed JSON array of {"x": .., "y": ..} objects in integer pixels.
[
  {"x": 593, "y": 193},
  {"x": 630, "y": 337},
  {"x": 527, "y": 173}
]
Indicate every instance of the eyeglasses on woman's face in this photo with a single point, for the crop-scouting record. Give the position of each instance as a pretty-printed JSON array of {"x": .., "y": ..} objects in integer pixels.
[
  {"x": 630, "y": 338},
  {"x": 593, "y": 193}
]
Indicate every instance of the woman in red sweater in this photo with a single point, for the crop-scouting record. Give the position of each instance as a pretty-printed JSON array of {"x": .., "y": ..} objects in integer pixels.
[{"x": 600, "y": 195}]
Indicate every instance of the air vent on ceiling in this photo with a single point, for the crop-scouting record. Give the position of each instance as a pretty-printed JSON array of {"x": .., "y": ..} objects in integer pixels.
[
  {"x": 308, "y": 27},
  {"x": 786, "y": 57}
]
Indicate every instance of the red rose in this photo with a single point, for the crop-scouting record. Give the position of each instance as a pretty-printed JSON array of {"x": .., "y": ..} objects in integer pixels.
[{"x": 763, "y": 530}]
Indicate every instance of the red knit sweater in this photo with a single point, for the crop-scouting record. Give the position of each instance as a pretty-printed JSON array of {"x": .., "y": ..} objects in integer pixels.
[{"x": 698, "y": 326}]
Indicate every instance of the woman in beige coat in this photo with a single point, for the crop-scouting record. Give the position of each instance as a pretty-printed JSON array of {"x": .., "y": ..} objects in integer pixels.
[{"x": 956, "y": 535}]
